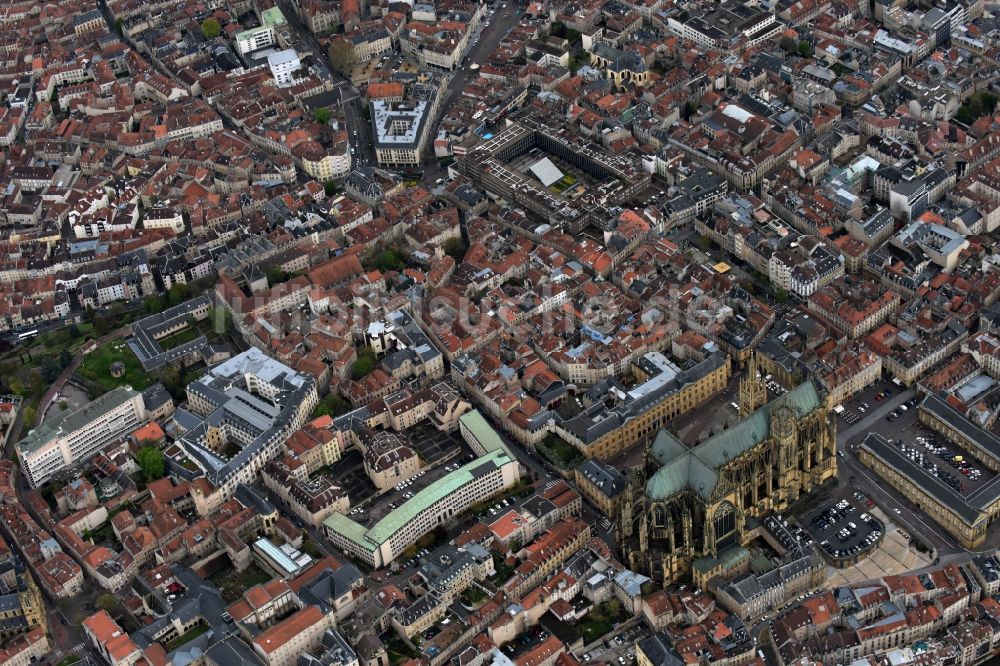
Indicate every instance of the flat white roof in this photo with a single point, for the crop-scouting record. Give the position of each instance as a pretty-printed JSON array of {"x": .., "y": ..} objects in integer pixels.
[
  {"x": 282, "y": 57},
  {"x": 546, "y": 171}
]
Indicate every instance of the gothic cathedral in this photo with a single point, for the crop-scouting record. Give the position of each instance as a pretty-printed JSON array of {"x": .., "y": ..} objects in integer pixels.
[{"x": 689, "y": 506}]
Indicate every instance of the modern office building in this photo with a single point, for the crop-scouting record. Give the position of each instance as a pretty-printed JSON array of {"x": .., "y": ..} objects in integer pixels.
[
  {"x": 487, "y": 475},
  {"x": 402, "y": 129},
  {"x": 282, "y": 65},
  {"x": 73, "y": 437},
  {"x": 240, "y": 413}
]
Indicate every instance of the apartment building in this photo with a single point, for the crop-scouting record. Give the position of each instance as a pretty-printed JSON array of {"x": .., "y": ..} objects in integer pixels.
[{"x": 282, "y": 644}]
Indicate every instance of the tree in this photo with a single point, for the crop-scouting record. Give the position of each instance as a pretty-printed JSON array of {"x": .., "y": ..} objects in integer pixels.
[
  {"x": 787, "y": 44},
  {"x": 74, "y": 331},
  {"x": 322, "y": 115},
  {"x": 805, "y": 48},
  {"x": 964, "y": 115},
  {"x": 210, "y": 28},
  {"x": 150, "y": 460},
  {"x": 976, "y": 106},
  {"x": 29, "y": 416},
  {"x": 989, "y": 100},
  {"x": 36, "y": 381},
  {"x": 152, "y": 305},
  {"x": 337, "y": 404},
  {"x": 342, "y": 56},
  {"x": 173, "y": 381},
  {"x": 330, "y": 188},
  {"x": 780, "y": 295},
  {"x": 50, "y": 369},
  {"x": 362, "y": 367},
  {"x": 109, "y": 603},
  {"x": 101, "y": 325},
  {"x": 276, "y": 275},
  {"x": 178, "y": 293},
  {"x": 454, "y": 248}
]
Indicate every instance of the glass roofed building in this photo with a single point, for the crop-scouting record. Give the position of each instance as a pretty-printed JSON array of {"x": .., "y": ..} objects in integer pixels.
[{"x": 692, "y": 510}]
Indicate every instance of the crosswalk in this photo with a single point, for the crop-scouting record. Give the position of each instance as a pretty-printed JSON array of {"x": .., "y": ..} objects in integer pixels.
[{"x": 57, "y": 654}]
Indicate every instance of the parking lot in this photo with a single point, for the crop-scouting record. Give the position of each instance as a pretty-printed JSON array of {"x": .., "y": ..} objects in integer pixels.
[
  {"x": 845, "y": 530},
  {"x": 350, "y": 473},
  {"x": 436, "y": 447},
  {"x": 441, "y": 453},
  {"x": 901, "y": 410},
  {"x": 855, "y": 410},
  {"x": 895, "y": 554},
  {"x": 944, "y": 460},
  {"x": 619, "y": 649}
]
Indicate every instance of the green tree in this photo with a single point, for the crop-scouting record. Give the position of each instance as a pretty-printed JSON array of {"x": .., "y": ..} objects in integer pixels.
[
  {"x": 322, "y": 115},
  {"x": 330, "y": 188},
  {"x": 210, "y": 28},
  {"x": 74, "y": 332},
  {"x": 454, "y": 247},
  {"x": 152, "y": 304},
  {"x": 388, "y": 260},
  {"x": 16, "y": 387},
  {"x": 805, "y": 48},
  {"x": 787, "y": 44},
  {"x": 342, "y": 56},
  {"x": 150, "y": 460},
  {"x": 173, "y": 381},
  {"x": 321, "y": 410},
  {"x": 29, "y": 417},
  {"x": 109, "y": 603},
  {"x": 277, "y": 275},
  {"x": 101, "y": 325},
  {"x": 337, "y": 404},
  {"x": 66, "y": 357},
  {"x": 50, "y": 369},
  {"x": 178, "y": 293},
  {"x": 989, "y": 100},
  {"x": 975, "y": 106},
  {"x": 362, "y": 367},
  {"x": 36, "y": 381},
  {"x": 780, "y": 295}
]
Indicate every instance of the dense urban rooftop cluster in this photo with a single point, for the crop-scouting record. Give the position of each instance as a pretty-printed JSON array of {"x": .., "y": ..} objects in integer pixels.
[{"x": 514, "y": 332}]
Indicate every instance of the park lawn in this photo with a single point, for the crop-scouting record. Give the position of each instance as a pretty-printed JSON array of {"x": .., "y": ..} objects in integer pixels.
[
  {"x": 72, "y": 659},
  {"x": 560, "y": 452},
  {"x": 186, "y": 638},
  {"x": 180, "y": 337},
  {"x": 593, "y": 629},
  {"x": 232, "y": 584},
  {"x": 96, "y": 367}
]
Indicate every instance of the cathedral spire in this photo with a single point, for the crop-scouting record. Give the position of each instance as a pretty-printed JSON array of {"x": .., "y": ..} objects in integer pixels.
[{"x": 753, "y": 390}]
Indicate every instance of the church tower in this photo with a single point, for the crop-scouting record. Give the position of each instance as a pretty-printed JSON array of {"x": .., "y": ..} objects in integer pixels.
[{"x": 753, "y": 389}]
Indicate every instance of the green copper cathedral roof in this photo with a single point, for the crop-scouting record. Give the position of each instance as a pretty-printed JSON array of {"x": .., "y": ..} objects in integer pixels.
[{"x": 697, "y": 468}]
